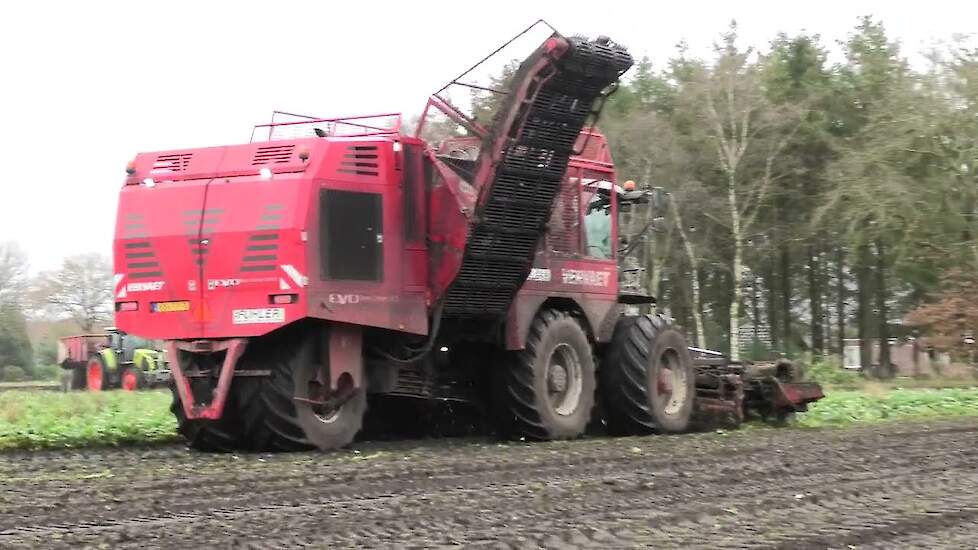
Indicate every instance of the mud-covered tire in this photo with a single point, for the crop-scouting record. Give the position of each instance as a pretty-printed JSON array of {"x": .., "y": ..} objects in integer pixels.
[
  {"x": 530, "y": 401},
  {"x": 630, "y": 374},
  {"x": 272, "y": 417},
  {"x": 212, "y": 436},
  {"x": 96, "y": 375}
]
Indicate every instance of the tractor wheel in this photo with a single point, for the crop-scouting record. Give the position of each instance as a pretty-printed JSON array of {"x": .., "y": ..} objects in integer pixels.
[
  {"x": 286, "y": 411},
  {"x": 546, "y": 391},
  {"x": 218, "y": 436},
  {"x": 131, "y": 379},
  {"x": 96, "y": 375},
  {"x": 648, "y": 381}
]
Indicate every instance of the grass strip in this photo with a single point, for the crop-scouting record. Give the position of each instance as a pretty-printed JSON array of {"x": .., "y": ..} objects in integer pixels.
[
  {"x": 44, "y": 420},
  {"x": 49, "y": 420}
]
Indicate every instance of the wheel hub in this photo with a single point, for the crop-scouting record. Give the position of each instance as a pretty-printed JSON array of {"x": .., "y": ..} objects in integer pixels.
[
  {"x": 326, "y": 405},
  {"x": 557, "y": 380},
  {"x": 665, "y": 382},
  {"x": 671, "y": 382},
  {"x": 565, "y": 380}
]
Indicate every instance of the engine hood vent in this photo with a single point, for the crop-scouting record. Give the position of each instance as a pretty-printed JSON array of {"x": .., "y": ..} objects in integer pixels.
[
  {"x": 272, "y": 154},
  {"x": 171, "y": 163}
]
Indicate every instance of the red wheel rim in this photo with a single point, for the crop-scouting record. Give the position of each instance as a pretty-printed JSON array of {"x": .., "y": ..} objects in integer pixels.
[
  {"x": 94, "y": 375},
  {"x": 129, "y": 381},
  {"x": 665, "y": 383}
]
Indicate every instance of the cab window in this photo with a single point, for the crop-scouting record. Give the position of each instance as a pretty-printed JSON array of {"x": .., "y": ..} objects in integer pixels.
[{"x": 597, "y": 227}]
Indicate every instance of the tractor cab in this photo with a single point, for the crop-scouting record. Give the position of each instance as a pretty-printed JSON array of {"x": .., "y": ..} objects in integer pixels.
[
  {"x": 116, "y": 337},
  {"x": 637, "y": 214}
]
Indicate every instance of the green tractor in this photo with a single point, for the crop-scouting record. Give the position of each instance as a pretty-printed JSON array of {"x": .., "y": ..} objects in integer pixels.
[{"x": 112, "y": 360}]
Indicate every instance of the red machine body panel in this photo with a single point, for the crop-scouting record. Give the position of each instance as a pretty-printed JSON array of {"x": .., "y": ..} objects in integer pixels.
[
  {"x": 225, "y": 242},
  {"x": 228, "y": 242},
  {"x": 250, "y": 252}
]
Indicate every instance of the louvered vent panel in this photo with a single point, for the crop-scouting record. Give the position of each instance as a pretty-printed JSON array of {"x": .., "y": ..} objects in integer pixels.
[
  {"x": 171, "y": 163},
  {"x": 360, "y": 160},
  {"x": 273, "y": 154}
]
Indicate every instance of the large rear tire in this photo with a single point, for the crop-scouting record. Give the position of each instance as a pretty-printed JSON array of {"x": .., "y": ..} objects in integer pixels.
[
  {"x": 283, "y": 412},
  {"x": 546, "y": 390},
  {"x": 96, "y": 375},
  {"x": 648, "y": 382}
]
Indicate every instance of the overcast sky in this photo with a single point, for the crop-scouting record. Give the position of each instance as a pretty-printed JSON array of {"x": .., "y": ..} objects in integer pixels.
[{"x": 86, "y": 85}]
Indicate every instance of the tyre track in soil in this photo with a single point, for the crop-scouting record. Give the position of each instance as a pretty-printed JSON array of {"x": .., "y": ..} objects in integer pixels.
[
  {"x": 207, "y": 491},
  {"x": 460, "y": 481},
  {"x": 895, "y": 484}
]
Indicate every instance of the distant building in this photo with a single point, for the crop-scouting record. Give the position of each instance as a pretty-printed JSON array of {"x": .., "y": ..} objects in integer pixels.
[
  {"x": 910, "y": 357},
  {"x": 748, "y": 335}
]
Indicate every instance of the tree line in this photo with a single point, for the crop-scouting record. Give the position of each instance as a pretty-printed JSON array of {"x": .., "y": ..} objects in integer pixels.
[
  {"x": 812, "y": 201},
  {"x": 79, "y": 292}
]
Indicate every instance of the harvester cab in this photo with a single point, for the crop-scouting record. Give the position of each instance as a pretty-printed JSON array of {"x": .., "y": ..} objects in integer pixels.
[{"x": 332, "y": 258}]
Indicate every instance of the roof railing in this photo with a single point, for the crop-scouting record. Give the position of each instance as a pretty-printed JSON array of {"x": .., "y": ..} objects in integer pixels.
[{"x": 309, "y": 126}]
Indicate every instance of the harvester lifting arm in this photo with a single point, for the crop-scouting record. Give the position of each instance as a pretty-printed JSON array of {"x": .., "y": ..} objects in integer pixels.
[{"x": 519, "y": 172}]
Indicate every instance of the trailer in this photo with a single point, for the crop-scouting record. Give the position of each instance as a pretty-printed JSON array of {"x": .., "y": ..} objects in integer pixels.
[
  {"x": 332, "y": 258},
  {"x": 113, "y": 359}
]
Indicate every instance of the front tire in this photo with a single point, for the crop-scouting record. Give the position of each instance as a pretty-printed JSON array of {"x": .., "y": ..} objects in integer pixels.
[
  {"x": 546, "y": 390},
  {"x": 131, "y": 379},
  {"x": 648, "y": 381},
  {"x": 211, "y": 436},
  {"x": 214, "y": 436}
]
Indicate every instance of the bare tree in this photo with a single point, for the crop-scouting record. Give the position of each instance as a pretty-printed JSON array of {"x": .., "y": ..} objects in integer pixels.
[
  {"x": 81, "y": 289},
  {"x": 694, "y": 280},
  {"x": 13, "y": 270},
  {"x": 748, "y": 134}
]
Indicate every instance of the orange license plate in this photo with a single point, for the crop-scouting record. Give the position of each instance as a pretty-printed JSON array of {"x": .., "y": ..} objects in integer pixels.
[{"x": 169, "y": 307}]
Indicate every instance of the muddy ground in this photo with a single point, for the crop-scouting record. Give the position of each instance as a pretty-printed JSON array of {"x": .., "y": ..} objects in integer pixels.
[{"x": 892, "y": 485}]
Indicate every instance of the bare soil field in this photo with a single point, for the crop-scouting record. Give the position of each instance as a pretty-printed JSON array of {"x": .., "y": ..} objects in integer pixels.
[{"x": 892, "y": 485}]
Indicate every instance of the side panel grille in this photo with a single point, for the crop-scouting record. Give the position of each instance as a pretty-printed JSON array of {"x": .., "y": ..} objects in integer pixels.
[
  {"x": 171, "y": 163},
  {"x": 360, "y": 160},
  {"x": 273, "y": 154}
]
